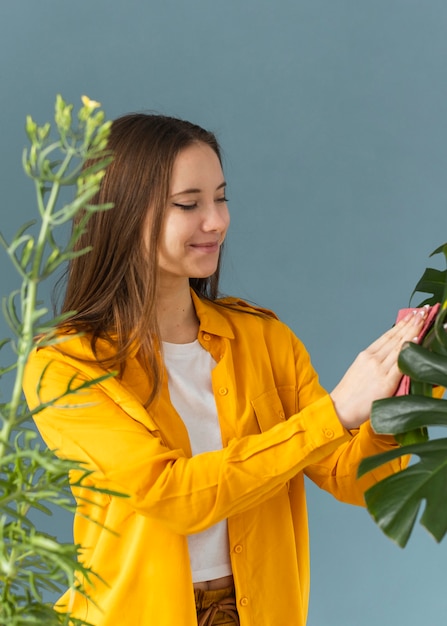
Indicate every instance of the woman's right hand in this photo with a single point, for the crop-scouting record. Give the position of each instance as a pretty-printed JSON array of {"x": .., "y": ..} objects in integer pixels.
[{"x": 374, "y": 373}]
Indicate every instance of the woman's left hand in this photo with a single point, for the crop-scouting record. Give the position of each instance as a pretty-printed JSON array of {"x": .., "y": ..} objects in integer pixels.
[{"x": 374, "y": 373}]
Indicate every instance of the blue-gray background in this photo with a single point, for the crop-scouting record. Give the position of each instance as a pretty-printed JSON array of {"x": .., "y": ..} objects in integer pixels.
[{"x": 332, "y": 116}]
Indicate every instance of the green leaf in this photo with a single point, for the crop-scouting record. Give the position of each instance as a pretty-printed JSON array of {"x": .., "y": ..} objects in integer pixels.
[
  {"x": 418, "y": 435},
  {"x": 441, "y": 249},
  {"x": 10, "y": 312},
  {"x": 395, "y": 502},
  {"x": 423, "y": 365},
  {"x": 401, "y": 414},
  {"x": 432, "y": 281}
]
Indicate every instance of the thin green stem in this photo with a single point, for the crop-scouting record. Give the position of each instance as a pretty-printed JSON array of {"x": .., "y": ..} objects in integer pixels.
[{"x": 29, "y": 291}]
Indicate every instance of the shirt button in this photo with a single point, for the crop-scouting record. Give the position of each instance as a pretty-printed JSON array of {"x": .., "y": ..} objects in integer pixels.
[
  {"x": 238, "y": 549},
  {"x": 282, "y": 415},
  {"x": 223, "y": 391},
  {"x": 244, "y": 601},
  {"x": 329, "y": 433},
  {"x": 206, "y": 336}
]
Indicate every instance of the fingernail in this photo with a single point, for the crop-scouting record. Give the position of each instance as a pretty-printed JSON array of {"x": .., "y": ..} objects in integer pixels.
[{"x": 409, "y": 316}]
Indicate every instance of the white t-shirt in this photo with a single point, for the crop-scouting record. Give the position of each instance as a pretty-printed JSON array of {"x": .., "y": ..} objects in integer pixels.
[{"x": 189, "y": 369}]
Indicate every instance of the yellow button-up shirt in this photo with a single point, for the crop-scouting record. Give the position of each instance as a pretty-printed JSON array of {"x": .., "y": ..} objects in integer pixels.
[{"x": 277, "y": 424}]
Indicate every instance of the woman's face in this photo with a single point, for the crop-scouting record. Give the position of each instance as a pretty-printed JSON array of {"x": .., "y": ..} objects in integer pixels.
[{"x": 196, "y": 218}]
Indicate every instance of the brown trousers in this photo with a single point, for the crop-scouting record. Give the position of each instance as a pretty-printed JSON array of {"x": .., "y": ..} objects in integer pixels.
[{"x": 216, "y": 607}]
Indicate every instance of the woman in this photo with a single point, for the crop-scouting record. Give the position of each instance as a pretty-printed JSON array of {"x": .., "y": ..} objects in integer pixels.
[{"x": 215, "y": 413}]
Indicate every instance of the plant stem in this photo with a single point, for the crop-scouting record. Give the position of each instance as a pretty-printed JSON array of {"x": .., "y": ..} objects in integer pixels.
[{"x": 29, "y": 293}]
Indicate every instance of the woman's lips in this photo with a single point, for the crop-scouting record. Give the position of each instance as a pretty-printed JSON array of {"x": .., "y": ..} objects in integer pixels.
[{"x": 207, "y": 246}]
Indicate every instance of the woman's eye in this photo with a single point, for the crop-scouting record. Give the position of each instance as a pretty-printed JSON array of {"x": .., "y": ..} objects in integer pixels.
[
  {"x": 194, "y": 205},
  {"x": 185, "y": 207}
]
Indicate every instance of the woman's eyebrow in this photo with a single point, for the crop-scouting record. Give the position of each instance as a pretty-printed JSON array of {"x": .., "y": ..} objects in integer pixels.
[{"x": 197, "y": 190}]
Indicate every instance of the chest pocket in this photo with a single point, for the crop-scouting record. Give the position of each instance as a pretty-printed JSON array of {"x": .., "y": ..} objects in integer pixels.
[{"x": 274, "y": 406}]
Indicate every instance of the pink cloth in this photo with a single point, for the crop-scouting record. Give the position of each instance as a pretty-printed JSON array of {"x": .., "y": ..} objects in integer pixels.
[{"x": 404, "y": 385}]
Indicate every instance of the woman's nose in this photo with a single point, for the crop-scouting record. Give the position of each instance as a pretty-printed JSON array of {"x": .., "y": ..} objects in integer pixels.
[{"x": 216, "y": 217}]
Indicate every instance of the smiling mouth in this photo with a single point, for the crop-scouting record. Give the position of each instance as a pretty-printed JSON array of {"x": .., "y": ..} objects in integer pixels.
[{"x": 210, "y": 246}]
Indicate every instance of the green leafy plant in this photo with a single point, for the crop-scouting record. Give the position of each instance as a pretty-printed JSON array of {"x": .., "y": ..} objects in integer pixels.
[
  {"x": 395, "y": 502},
  {"x": 32, "y": 480}
]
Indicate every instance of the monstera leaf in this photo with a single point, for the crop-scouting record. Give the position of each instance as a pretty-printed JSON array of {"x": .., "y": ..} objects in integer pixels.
[
  {"x": 433, "y": 281},
  {"x": 396, "y": 501}
]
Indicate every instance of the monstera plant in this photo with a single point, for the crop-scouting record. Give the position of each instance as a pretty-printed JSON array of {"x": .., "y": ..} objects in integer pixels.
[
  {"x": 33, "y": 564},
  {"x": 396, "y": 501}
]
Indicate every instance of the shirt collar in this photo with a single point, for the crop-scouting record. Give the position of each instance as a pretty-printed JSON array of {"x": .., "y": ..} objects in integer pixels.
[{"x": 211, "y": 317}]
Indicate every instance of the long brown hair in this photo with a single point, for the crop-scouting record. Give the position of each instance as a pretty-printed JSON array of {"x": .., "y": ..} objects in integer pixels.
[{"x": 113, "y": 287}]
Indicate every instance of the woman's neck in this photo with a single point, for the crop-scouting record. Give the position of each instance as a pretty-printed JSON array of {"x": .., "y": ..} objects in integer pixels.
[{"x": 177, "y": 319}]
